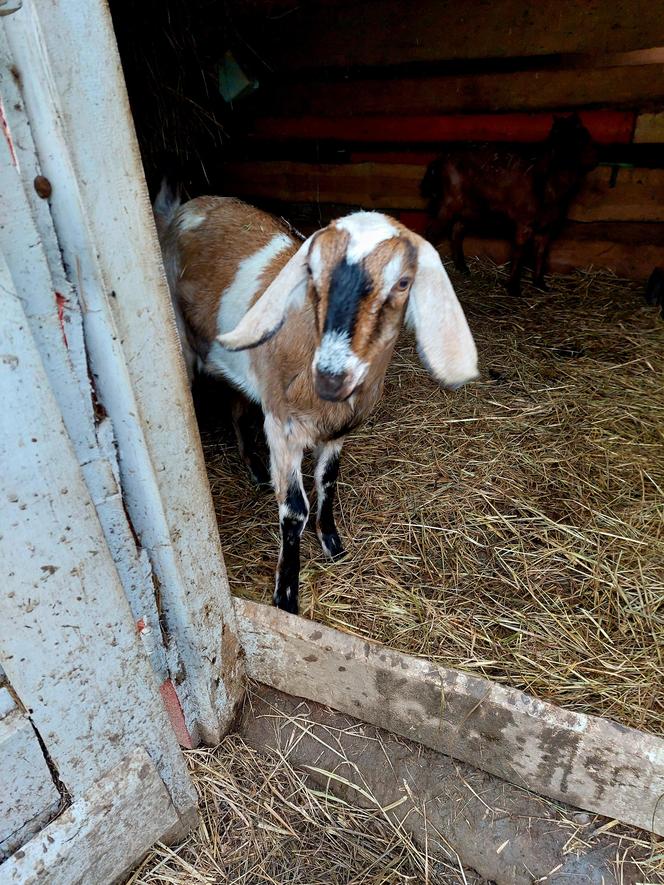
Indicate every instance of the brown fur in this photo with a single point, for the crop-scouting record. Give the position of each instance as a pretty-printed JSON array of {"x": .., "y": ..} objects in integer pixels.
[
  {"x": 208, "y": 256},
  {"x": 530, "y": 189}
]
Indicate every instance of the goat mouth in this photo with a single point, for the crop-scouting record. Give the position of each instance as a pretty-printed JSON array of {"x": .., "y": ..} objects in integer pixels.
[{"x": 336, "y": 397}]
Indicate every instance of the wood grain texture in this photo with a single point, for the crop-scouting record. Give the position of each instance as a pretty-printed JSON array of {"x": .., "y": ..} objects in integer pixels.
[
  {"x": 102, "y": 834},
  {"x": 380, "y": 32},
  {"x": 28, "y": 797},
  {"x": 635, "y": 195},
  {"x": 586, "y": 761},
  {"x": 469, "y": 93},
  {"x": 649, "y": 128},
  {"x": 68, "y": 640},
  {"x": 75, "y": 97}
]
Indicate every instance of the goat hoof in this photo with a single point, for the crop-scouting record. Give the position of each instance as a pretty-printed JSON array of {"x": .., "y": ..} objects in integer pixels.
[
  {"x": 463, "y": 268},
  {"x": 513, "y": 290},
  {"x": 541, "y": 285},
  {"x": 332, "y": 545},
  {"x": 286, "y": 601}
]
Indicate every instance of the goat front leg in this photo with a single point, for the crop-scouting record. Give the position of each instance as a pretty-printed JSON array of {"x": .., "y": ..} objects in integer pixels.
[
  {"x": 286, "y": 453},
  {"x": 457, "y": 236},
  {"x": 327, "y": 473},
  {"x": 541, "y": 249},
  {"x": 522, "y": 238}
]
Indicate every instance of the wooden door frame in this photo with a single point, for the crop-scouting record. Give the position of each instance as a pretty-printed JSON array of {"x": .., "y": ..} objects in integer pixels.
[{"x": 61, "y": 62}]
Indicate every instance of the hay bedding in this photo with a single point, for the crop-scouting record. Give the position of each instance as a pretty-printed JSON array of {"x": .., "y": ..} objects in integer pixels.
[
  {"x": 513, "y": 529},
  {"x": 263, "y": 822}
]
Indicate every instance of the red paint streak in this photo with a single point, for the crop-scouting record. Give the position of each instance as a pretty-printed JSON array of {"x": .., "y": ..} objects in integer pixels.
[
  {"x": 140, "y": 625},
  {"x": 175, "y": 714},
  {"x": 7, "y": 134},
  {"x": 61, "y": 301},
  {"x": 606, "y": 127}
]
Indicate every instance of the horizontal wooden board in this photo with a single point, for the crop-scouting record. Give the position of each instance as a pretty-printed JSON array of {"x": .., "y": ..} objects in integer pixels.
[
  {"x": 626, "y": 259},
  {"x": 28, "y": 797},
  {"x": 636, "y": 195},
  {"x": 101, "y": 835},
  {"x": 381, "y": 32},
  {"x": 606, "y": 126},
  {"x": 586, "y": 761},
  {"x": 465, "y": 93},
  {"x": 649, "y": 128}
]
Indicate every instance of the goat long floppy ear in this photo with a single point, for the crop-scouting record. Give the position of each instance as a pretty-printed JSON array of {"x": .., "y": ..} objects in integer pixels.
[
  {"x": 444, "y": 341},
  {"x": 266, "y": 316}
]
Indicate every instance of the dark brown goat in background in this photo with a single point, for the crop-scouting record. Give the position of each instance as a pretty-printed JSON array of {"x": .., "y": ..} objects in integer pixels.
[{"x": 533, "y": 188}]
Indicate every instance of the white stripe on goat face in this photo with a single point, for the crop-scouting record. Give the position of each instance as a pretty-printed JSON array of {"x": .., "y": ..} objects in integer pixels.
[
  {"x": 334, "y": 357},
  {"x": 366, "y": 230}
]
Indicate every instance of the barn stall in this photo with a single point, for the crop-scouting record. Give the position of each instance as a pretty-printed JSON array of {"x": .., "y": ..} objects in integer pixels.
[{"x": 507, "y": 538}]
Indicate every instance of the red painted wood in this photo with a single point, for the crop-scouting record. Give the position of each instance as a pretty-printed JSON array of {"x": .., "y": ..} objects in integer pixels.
[
  {"x": 405, "y": 158},
  {"x": 606, "y": 126},
  {"x": 415, "y": 221},
  {"x": 174, "y": 710}
]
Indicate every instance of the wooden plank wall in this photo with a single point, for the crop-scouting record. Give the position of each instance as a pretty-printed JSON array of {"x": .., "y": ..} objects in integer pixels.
[{"x": 359, "y": 97}]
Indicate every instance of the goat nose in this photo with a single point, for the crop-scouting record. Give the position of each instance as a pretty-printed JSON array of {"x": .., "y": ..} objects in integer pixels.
[{"x": 329, "y": 386}]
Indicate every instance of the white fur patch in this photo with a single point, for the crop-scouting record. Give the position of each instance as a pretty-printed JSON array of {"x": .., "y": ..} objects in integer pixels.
[
  {"x": 316, "y": 262},
  {"x": 335, "y": 357},
  {"x": 235, "y": 301},
  {"x": 392, "y": 273},
  {"x": 367, "y": 230},
  {"x": 189, "y": 219}
]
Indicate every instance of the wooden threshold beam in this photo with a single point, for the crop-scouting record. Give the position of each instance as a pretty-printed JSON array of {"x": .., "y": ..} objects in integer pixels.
[{"x": 589, "y": 762}]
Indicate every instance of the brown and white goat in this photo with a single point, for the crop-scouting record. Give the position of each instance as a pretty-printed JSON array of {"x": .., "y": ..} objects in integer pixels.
[{"x": 239, "y": 276}]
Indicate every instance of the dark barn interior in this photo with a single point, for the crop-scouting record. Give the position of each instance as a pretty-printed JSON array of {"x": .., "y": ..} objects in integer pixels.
[{"x": 513, "y": 529}]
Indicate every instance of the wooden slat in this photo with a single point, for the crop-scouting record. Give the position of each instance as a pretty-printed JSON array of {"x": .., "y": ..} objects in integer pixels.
[
  {"x": 606, "y": 126},
  {"x": 626, "y": 257},
  {"x": 649, "y": 128},
  {"x": 101, "y": 835},
  {"x": 68, "y": 640},
  {"x": 74, "y": 94},
  {"x": 589, "y": 762},
  {"x": 28, "y": 797},
  {"x": 381, "y": 32},
  {"x": 638, "y": 194},
  {"x": 468, "y": 93},
  {"x": 372, "y": 185}
]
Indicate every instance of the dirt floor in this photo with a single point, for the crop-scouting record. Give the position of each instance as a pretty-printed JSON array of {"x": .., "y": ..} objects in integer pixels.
[
  {"x": 513, "y": 529},
  {"x": 273, "y": 819},
  {"x": 264, "y": 821}
]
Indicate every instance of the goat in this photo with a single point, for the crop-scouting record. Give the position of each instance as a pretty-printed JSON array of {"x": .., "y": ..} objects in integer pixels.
[
  {"x": 306, "y": 330},
  {"x": 532, "y": 190},
  {"x": 654, "y": 293}
]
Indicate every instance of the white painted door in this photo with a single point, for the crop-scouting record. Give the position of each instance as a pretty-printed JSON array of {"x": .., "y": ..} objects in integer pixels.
[{"x": 117, "y": 630}]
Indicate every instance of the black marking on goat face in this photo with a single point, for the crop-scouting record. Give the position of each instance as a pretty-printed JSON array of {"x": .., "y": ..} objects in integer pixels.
[{"x": 349, "y": 284}]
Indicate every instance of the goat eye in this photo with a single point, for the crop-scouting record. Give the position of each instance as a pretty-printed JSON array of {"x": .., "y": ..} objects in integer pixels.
[{"x": 403, "y": 283}]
